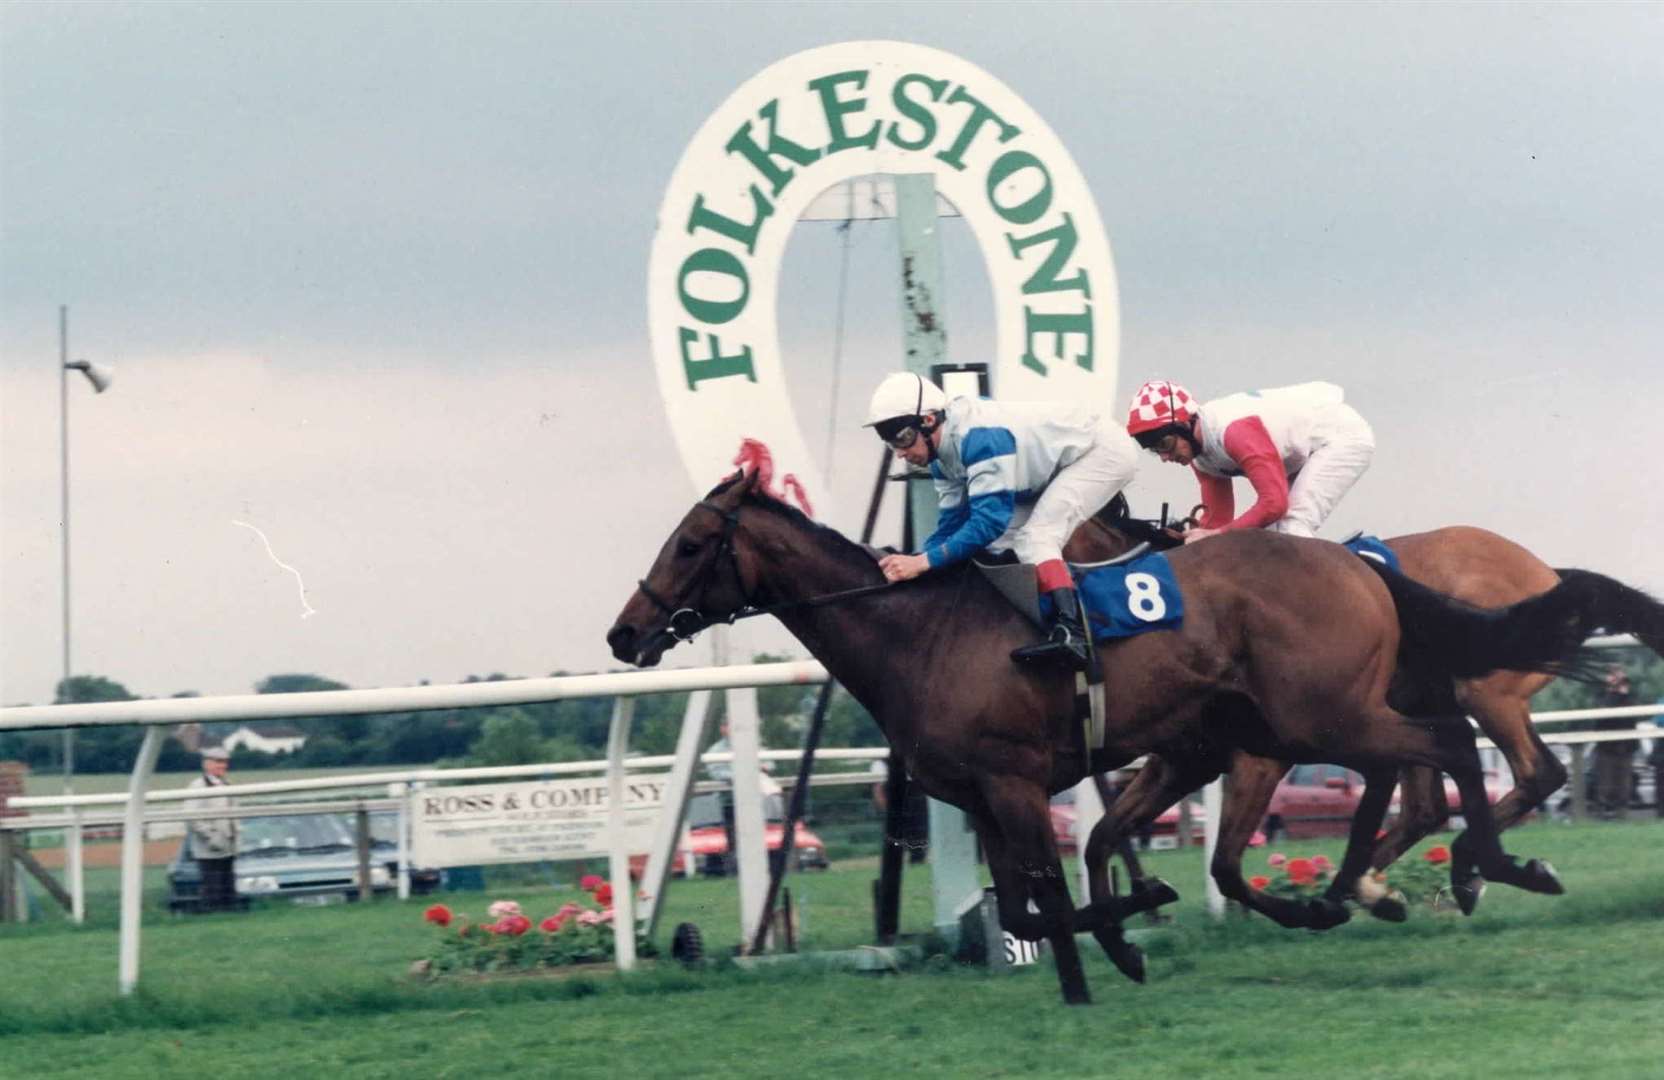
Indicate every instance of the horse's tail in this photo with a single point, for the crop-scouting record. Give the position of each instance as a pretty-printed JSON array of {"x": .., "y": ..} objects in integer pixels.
[
  {"x": 1620, "y": 609},
  {"x": 1544, "y": 633}
]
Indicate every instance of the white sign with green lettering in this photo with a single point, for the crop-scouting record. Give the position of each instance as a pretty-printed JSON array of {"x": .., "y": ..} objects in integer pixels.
[{"x": 814, "y": 120}]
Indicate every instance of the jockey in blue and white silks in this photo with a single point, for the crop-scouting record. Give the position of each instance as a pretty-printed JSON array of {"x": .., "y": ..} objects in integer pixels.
[{"x": 1018, "y": 476}]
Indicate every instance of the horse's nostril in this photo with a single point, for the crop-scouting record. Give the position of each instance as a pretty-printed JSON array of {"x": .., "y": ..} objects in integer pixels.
[{"x": 620, "y": 636}]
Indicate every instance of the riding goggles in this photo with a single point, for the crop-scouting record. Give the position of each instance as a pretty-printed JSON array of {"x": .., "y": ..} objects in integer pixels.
[{"x": 898, "y": 433}]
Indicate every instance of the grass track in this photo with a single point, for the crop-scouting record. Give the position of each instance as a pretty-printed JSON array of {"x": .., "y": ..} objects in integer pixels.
[{"x": 1531, "y": 986}]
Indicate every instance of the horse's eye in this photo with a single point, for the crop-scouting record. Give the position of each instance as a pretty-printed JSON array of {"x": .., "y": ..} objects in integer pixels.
[{"x": 686, "y": 548}]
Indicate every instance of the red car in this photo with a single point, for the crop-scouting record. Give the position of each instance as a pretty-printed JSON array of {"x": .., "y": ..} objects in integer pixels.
[
  {"x": 1164, "y": 833},
  {"x": 707, "y": 839},
  {"x": 1319, "y": 800}
]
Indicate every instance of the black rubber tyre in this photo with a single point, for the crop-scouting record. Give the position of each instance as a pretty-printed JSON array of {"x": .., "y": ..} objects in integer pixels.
[{"x": 687, "y": 947}]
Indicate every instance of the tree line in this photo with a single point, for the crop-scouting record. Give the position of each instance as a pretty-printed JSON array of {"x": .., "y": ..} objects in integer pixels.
[{"x": 573, "y": 729}]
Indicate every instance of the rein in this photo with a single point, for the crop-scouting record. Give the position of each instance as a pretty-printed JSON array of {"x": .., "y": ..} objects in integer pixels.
[{"x": 686, "y": 621}]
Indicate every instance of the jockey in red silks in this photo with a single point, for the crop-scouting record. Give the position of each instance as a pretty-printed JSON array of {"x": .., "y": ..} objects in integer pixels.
[
  {"x": 1302, "y": 447},
  {"x": 1017, "y": 476}
]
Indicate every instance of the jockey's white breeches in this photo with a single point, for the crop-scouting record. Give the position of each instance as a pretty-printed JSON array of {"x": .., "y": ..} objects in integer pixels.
[
  {"x": 1038, "y": 530},
  {"x": 1342, "y": 446}
]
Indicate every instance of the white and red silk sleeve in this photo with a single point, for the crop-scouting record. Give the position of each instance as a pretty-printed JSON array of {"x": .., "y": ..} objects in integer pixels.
[
  {"x": 1218, "y": 500},
  {"x": 1250, "y": 446}
]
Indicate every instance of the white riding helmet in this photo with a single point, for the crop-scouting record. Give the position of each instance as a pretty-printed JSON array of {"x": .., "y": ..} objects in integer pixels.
[{"x": 904, "y": 394}]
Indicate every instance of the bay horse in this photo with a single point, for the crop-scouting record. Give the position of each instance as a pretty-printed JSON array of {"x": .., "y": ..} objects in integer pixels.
[
  {"x": 1302, "y": 629},
  {"x": 1471, "y": 564}
]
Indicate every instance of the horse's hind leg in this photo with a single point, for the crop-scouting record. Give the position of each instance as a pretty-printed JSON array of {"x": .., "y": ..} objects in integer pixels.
[
  {"x": 1248, "y": 793},
  {"x": 1501, "y": 703},
  {"x": 1022, "y": 856}
]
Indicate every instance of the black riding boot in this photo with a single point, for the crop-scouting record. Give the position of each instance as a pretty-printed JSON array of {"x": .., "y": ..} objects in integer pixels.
[{"x": 1066, "y": 641}]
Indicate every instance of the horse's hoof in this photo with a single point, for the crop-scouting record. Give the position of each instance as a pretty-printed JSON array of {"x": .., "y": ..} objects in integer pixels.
[
  {"x": 1390, "y": 908},
  {"x": 1156, "y": 892},
  {"x": 1128, "y": 960},
  {"x": 1467, "y": 896},
  {"x": 1541, "y": 878},
  {"x": 1325, "y": 914}
]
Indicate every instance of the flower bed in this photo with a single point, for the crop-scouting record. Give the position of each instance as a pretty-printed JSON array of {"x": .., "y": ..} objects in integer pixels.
[
  {"x": 1421, "y": 881},
  {"x": 511, "y": 942}
]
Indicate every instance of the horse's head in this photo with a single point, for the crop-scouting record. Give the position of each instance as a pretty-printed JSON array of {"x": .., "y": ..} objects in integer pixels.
[{"x": 699, "y": 578}]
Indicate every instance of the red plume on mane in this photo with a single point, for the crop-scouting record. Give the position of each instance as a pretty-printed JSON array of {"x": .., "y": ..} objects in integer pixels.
[{"x": 754, "y": 455}]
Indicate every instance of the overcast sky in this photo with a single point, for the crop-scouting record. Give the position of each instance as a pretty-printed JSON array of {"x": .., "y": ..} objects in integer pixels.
[{"x": 373, "y": 281}]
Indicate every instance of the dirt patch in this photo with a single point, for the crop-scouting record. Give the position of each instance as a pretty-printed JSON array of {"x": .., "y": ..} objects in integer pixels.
[{"x": 156, "y": 853}]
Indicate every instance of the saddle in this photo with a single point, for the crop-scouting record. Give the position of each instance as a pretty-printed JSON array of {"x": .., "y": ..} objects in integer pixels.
[{"x": 1016, "y": 582}]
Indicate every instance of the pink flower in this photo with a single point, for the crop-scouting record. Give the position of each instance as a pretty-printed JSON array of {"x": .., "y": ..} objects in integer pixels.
[
  {"x": 1302, "y": 872},
  {"x": 552, "y": 924},
  {"x": 567, "y": 910},
  {"x": 590, "y": 882},
  {"x": 1322, "y": 862},
  {"x": 605, "y": 916},
  {"x": 588, "y": 918},
  {"x": 503, "y": 907},
  {"x": 1437, "y": 854},
  {"x": 1276, "y": 860},
  {"x": 603, "y": 893},
  {"x": 1259, "y": 881},
  {"x": 438, "y": 914}
]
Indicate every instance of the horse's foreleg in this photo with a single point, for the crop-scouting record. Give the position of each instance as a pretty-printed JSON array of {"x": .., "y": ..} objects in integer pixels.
[
  {"x": 1422, "y": 809},
  {"x": 1350, "y": 880},
  {"x": 1024, "y": 860},
  {"x": 1157, "y": 786}
]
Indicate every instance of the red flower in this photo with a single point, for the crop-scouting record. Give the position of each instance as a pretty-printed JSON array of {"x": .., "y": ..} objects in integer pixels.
[
  {"x": 438, "y": 914},
  {"x": 1437, "y": 854},
  {"x": 551, "y": 925},
  {"x": 603, "y": 893},
  {"x": 1302, "y": 872},
  {"x": 591, "y": 882},
  {"x": 1258, "y": 881},
  {"x": 515, "y": 925}
]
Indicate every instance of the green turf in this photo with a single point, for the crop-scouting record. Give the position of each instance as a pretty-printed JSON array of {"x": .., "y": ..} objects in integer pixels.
[{"x": 1530, "y": 986}]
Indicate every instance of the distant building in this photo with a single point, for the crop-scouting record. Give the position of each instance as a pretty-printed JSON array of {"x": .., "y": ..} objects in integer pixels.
[{"x": 266, "y": 738}]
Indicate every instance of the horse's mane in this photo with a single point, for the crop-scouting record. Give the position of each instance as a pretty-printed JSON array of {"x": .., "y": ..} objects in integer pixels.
[
  {"x": 1117, "y": 515},
  {"x": 830, "y": 539}
]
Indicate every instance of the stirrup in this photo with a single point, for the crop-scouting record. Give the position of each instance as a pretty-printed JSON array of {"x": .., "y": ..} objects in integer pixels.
[{"x": 1060, "y": 644}]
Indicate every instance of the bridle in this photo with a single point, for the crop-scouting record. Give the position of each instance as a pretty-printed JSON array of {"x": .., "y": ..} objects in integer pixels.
[{"x": 684, "y": 622}]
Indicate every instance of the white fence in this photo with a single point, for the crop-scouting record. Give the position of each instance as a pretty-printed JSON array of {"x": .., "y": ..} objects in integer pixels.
[{"x": 155, "y": 715}]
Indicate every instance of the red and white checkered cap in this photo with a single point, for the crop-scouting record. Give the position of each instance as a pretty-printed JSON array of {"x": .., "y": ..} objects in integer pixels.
[{"x": 1159, "y": 403}]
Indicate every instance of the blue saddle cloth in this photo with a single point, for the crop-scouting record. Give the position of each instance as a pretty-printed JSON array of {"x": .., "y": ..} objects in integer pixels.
[
  {"x": 1369, "y": 547},
  {"x": 1128, "y": 598}
]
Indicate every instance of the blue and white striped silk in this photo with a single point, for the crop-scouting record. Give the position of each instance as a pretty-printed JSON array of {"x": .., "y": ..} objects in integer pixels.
[{"x": 993, "y": 456}]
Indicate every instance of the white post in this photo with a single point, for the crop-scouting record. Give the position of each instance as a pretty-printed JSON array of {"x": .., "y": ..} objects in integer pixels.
[
  {"x": 132, "y": 857},
  {"x": 1213, "y": 800},
  {"x": 623, "y": 890},
  {"x": 749, "y": 836},
  {"x": 1089, "y": 810},
  {"x": 402, "y": 793},
  {"x": 671, "y": 831},
  {"x": 74, "y": 868}
]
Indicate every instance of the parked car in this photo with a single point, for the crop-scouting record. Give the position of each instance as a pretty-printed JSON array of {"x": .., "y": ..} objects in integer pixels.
[
  {"x": 708, "y": 837},
  {"x": 1164, "y": 833},
  {"x": 311, "y": 858},
  {"x": 1320, "y": 800}
]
